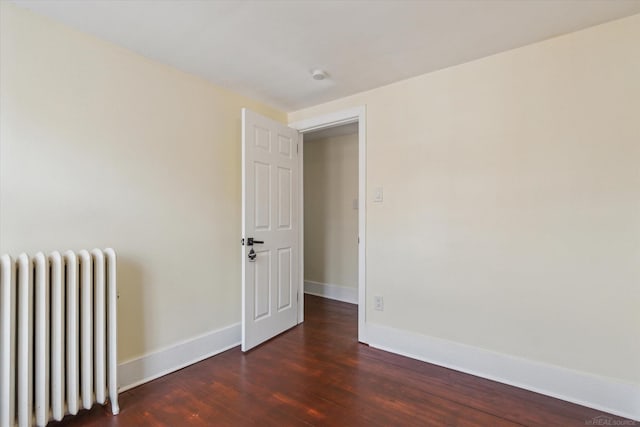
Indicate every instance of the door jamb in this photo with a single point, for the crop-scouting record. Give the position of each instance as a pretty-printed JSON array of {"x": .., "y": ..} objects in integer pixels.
[{"x": 357, "y": 114}]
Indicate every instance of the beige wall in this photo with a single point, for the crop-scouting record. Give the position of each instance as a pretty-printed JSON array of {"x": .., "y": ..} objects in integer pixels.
[
  {"x": 330, "y": 221},
  {"x": 511, "y": 214},
  {"x": 102, "y": 147}
]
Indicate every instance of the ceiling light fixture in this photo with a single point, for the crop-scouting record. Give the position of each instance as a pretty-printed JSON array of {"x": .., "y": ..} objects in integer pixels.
[{"x": 319, "y": 74}]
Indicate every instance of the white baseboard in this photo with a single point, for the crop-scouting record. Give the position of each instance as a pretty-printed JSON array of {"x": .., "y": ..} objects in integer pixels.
[
  {"x": 596, "y": 392},
  {"x": 340, "y": 293},
  {"x": 162, "y": 362}
]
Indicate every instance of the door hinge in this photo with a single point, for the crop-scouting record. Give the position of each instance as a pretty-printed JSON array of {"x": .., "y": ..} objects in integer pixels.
[
  {"x": 297, "y": 148},
  {"x": 298, "y": 296}
]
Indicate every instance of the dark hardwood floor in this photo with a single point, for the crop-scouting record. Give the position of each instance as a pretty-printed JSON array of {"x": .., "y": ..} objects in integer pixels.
[{"x": 318, "y": 374}]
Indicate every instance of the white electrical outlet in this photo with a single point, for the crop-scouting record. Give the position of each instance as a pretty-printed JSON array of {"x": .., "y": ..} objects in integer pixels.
[{"x": 378, "y": 303}]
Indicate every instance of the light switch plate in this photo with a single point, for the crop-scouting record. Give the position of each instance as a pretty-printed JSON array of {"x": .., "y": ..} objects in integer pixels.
[{"x": 378, "y": 195}]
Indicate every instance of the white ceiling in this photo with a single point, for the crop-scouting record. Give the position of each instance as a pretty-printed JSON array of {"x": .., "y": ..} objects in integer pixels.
[{"x": 266, "y": 49}]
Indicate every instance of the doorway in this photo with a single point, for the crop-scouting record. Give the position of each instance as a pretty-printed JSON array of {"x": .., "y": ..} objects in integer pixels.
[
  {"x": 321, "y": 130},
  {"x": 331, "y": 213}
]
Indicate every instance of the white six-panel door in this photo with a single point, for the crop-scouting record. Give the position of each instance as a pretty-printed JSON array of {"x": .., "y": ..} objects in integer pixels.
[{"x": 270, "y": 194}]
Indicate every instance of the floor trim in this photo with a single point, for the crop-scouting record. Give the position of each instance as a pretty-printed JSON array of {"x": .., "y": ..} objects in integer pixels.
[
  {"x": 336, "y": 292},
  {"x": 593, "y": 391},
  {"x": 140, "y": 370}
]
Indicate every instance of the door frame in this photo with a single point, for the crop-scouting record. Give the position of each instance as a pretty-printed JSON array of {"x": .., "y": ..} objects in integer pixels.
[{"x": 353, "y": 115}]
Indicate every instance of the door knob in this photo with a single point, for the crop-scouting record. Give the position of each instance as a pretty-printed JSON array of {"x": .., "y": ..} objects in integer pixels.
[{"x": 251, "y": 241}]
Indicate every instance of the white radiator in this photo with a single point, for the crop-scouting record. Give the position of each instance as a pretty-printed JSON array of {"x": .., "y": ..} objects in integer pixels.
[{"x": 58, "y": 343}]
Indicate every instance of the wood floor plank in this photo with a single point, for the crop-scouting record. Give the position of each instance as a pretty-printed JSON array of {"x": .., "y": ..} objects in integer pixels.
[{"x": 317, "y": 374}]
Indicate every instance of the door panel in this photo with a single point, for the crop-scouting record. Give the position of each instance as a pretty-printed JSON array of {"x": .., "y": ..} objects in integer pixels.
[
  {"x": 262, "y": 138},
  {"x": 262, "y": 285},
  {"x": 284, "y": 278},
  {"x": 284, "y": 198},
  {"x": 269, "y": 214},
  {"x": 284, "y": 146},
  {"x": 262, "y": 202}
]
